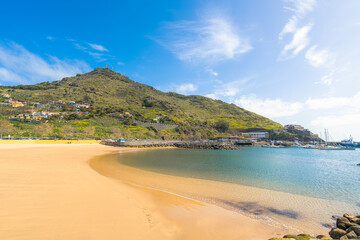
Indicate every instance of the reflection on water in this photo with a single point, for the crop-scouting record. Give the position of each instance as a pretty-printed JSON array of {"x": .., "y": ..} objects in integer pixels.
[{"x": 331, "y": 175}]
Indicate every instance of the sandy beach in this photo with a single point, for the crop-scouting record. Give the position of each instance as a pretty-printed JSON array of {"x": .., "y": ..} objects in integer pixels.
[{"x": 51, "y": 192}]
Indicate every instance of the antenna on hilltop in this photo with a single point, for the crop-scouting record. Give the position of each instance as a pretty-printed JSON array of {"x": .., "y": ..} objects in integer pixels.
[{"x": 106, "y": 66}]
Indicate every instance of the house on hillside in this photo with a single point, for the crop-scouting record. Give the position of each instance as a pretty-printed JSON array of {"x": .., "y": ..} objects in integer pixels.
[
  {"x": 26, "y": 118},
  {"x": 256, "y": 135},
  {"x": 15, "y": 104},
  {"x": 82, "y": 106}
]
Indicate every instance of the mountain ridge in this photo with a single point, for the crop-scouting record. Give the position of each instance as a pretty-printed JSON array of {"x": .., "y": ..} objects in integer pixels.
[{"x": 103, "y": 88}]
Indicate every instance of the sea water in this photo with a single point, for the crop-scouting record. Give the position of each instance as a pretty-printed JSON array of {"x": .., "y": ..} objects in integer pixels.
[{"x": 330, "y": 175}]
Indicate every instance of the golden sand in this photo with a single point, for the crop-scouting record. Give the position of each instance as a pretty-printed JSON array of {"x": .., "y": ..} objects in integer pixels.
[{"x": 50, "y": 192}]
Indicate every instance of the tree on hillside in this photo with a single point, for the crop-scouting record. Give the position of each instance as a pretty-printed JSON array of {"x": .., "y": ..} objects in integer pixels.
[
  {"x": 116, "y": 132},
  {"x": 68, "y": 130},
  {"x": 89, "y": 131},
  {"x": 5, "y": 127},
  {"x": 222, "y": 125},
  {"x": 43, "y": 129}
]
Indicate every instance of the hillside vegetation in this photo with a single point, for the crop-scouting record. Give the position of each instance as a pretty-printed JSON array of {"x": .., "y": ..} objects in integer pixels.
[{"x": 109, "y": 95}]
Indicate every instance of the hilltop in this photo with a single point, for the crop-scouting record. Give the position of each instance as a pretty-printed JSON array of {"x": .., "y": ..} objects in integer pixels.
[{"x": 104, "y": 100}]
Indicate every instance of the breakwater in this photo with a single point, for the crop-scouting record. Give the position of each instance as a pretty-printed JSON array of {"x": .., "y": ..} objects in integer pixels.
[{"x": 172, "y": 143}]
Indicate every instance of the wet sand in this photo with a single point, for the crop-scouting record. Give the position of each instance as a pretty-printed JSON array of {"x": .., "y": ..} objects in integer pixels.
[
  {"x": 290, "y": 212},
  {"x": 51, "y": 192}
]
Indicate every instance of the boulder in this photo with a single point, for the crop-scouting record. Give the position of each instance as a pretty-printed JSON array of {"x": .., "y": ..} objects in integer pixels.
[
  {"x": 348, "y": 225},
  {"x": 356, "y": 229},
  {"x": 342, "y": 223},
  {"x": 344, "y": 237},
  {"x": 337, "y": 233},
  {"x": 356, "y": 220},
  {"x": 351, "y": 235},
  {"x": 349, "y": 216}
]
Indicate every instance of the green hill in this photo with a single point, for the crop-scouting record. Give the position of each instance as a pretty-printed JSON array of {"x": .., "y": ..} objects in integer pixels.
[{"x": 110, "y": 95}]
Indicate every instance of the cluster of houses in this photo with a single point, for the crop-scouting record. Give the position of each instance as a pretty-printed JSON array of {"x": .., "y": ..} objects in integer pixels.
[
  {"x": 33, "y": 116},
  {"x": 17, "y": 103},
  {"x": 13, "y": 103}
]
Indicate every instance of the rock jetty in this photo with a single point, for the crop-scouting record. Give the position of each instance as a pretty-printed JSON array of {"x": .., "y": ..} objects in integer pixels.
[
  {"x": 347, "y": 227},
  {"x": 173, "y": 143}
]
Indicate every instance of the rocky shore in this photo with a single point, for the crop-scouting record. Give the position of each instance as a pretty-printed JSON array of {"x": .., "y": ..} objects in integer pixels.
[
  {"x": 347, "y": 227},
  {"x": 173, "y": 143}
]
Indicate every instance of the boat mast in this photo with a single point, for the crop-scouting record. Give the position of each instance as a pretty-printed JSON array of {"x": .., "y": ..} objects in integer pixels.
[{"x": 326, "y": 133}]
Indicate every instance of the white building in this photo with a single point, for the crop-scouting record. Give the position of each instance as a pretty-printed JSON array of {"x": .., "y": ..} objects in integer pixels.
[{"x": 256, "y": 135}]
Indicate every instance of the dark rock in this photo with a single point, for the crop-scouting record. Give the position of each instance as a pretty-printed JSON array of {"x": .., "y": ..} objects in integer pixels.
[
  {"x": 358, "y": 164},
  {"x": 349, "y": 216},
  {"x": 342, "y": 222},
  {"x": 356, "y": 220},
  {"x": 337, "y": 233},
  {"x": 356, "y": 229},
  {"x": 348, "y": 225},
  {"x": 351, "y": 235}
]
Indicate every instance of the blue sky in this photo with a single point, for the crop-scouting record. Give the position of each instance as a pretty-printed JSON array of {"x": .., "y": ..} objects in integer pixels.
[{"x": 294, "y": 61}]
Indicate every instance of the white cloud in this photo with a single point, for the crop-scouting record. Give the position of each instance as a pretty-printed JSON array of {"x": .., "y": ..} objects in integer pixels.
[
  {"x": 18, "y": 65},
  {"x": 228, "y": 90},
  {"x": 212, "y": 72},
  {"x": 186, "y": 88},
  {"x": 298, "y": 43},
  {"x": 299, "y": 8},
  {"x": 340, "y": 114},
  {"x": 334, "y": 102},
  {"x": 300, "y": 39},
  {"x": 98, "y": 47},
  {"x": 50, "y": 38},
  {"x": 205, "y": 41},
  {"x": 319, "y": 58},
  {"x": 337, "y": 120},
  {"x": 9, "y": 76},
  {"x": 328, "y": 79},
  {"x": 272, "y": 108}
]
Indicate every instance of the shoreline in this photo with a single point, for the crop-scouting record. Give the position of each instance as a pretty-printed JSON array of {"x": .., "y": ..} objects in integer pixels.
[
  {"x": 295, "y": 213},
  {"x": 65, "y": 199}
]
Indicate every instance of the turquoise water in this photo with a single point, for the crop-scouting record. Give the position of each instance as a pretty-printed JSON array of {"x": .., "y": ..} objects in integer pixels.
[{"x": 331, "y": 175}]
